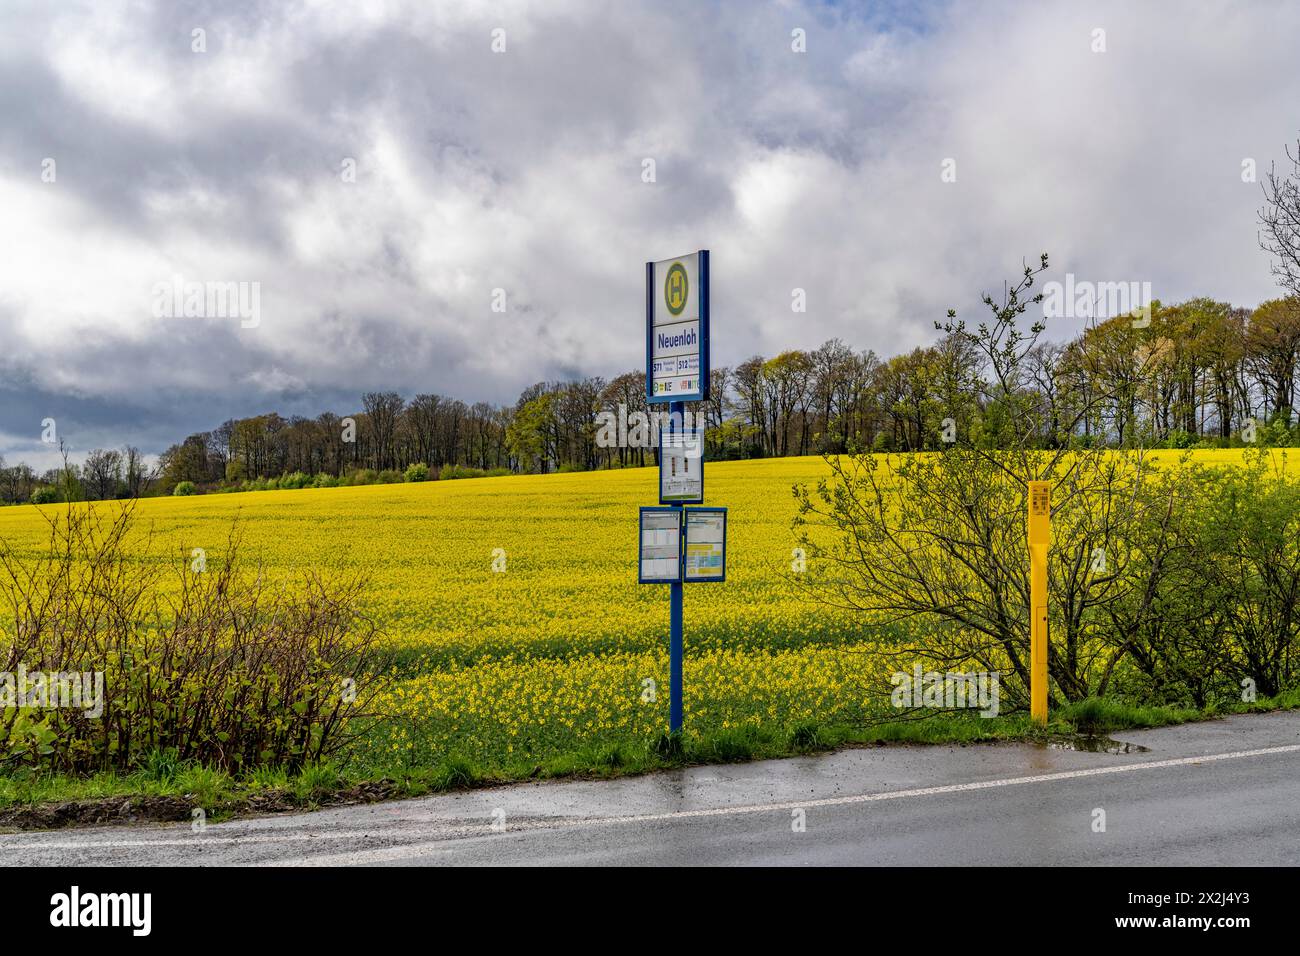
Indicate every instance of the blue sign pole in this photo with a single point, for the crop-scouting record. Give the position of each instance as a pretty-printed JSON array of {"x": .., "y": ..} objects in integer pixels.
[
  {"x": 676, "y": 716},
  {"x": 677, "y": 371}
]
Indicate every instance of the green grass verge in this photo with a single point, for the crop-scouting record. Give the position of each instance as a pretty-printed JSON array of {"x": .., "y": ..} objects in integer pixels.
[{"x": 221, "y": 795}]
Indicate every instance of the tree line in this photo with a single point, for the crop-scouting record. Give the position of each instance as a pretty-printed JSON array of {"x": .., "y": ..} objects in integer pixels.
[
  {"x": 1197, "y": 372},
  {"x": 1200, "y": 372}
]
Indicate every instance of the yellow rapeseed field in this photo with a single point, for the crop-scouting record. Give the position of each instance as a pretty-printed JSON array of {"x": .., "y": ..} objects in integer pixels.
[{"x": 562, "y": 648}]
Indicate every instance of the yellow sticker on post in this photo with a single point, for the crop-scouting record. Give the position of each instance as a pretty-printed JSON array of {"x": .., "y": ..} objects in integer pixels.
[{"x": 1040, "y": 512}]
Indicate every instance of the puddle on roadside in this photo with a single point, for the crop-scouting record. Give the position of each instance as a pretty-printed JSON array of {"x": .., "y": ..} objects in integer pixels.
[{"x": 1097, "y": 745}]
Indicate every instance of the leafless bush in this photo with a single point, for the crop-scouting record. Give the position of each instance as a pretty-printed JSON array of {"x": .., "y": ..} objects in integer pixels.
[{"x": 224, "y": 667}]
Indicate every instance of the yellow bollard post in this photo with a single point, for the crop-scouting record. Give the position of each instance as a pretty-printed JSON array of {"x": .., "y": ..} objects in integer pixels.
[{"x": 1040, "y": 537}]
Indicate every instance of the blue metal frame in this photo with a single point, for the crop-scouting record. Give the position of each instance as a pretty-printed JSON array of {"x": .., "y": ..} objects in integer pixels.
[
  {"x": 702, "y": 274},
  {"x": 681, "y": 501},
  {"x": 687, "y": 512},
  {"x": 649, "y": 329},
  {"x": 640, "y": 545}
]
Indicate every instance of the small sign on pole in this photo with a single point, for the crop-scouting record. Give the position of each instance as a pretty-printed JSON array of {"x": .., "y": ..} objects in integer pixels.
[{"x": 681, "y": 466}]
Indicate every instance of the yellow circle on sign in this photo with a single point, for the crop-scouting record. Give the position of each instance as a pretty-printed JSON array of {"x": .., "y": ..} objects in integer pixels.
[{"x": 676, "y": 288}]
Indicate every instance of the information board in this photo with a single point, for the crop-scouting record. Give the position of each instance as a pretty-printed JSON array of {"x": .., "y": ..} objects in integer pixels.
[
  {"x": 677, "y": 329},
  {"x": 681, "y": 466},
  {"x": 660, "y": 546},
  {"x": 706, "y": 544}
]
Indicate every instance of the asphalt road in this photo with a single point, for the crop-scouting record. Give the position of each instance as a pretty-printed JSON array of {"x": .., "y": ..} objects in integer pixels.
[{"x": 1223, "y": 792}]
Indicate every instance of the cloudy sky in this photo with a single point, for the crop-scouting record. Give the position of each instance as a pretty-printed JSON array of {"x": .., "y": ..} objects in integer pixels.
[{"x": 135, "y": 151}]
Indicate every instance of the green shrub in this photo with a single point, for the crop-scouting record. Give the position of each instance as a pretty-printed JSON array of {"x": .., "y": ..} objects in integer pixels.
[
  {"x": 417, "y": 471},
  {"x": 185, "y": 488},
  {"x": 730, "y": 746},
  {"x": 668, "y": 746},
  {"x": 453, "y": 472},
  {"x": 452, "y": 774},
  {"x": 1212, "y": 587},
  {"x": 221, "y": 670},
  {"x": 45, "y": 495},
  {"x": 208, "y": 785},
  {"x": 316, "y": 779},
  {"x": 806, "y": 736},
  {"x": 162, "y": 764}
]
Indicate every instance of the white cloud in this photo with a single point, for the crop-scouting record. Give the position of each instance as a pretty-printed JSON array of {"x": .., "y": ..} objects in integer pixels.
[{"x": 522, "y": 171}]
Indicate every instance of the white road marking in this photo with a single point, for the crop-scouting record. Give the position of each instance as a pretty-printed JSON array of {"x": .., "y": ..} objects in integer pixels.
[{"x": 452, "y": 831}]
